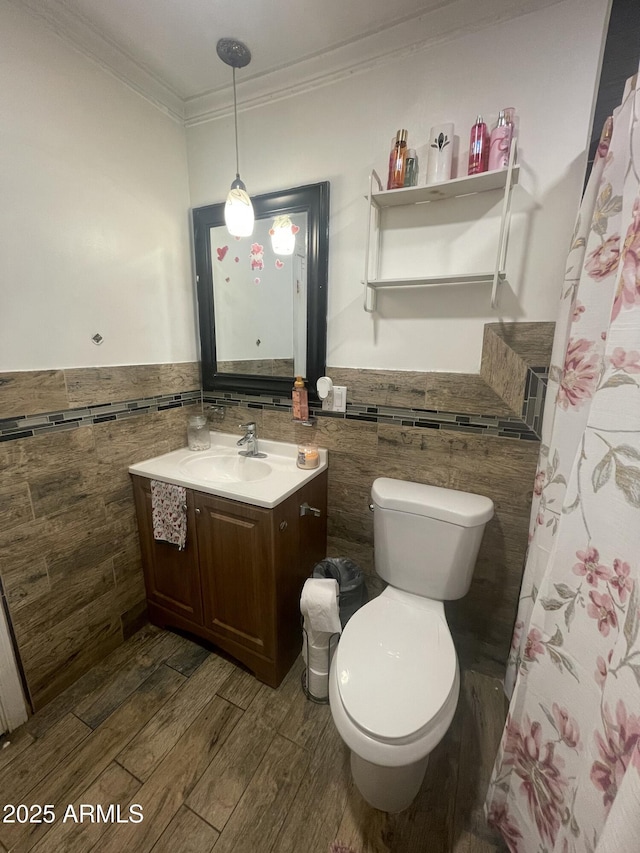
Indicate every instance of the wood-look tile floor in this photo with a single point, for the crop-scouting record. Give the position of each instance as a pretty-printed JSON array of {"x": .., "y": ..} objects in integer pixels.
[{"x": 218, "y": 761}]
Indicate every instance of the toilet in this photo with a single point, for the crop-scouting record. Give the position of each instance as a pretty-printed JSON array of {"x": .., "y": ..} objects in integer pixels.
[{"x": 394, "y": 679}]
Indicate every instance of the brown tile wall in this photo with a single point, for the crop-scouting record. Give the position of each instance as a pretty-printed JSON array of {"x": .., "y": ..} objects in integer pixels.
[
  {"x": 34, "y": 391},
  {"x": 508, "y": 350},
  {"x": 259, "y": 366},
  {"x": 502, "y": 469},
  {"x": 69, "y": 553}
]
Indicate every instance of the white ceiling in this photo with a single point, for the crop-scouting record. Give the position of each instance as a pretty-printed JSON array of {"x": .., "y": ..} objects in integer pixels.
[{"x": 166, "y": 49}]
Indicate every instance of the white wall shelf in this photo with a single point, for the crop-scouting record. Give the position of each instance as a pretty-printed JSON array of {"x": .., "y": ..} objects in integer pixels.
[
  {"x": 432, "y": 281},
  {"x": 502, "y": 179}
]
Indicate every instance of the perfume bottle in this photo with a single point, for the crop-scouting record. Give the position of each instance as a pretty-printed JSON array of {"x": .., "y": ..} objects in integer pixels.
[
  {"x": 478, "y": 148},
  {"x": 392, "y": 158},
  {"x": 411, "y": 169},
  {"x": 500, "y": 144},
  {"x": 397, "y": 162}
]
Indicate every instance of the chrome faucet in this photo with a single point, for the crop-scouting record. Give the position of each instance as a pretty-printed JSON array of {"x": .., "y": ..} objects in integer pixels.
[{"x": 250, "y": 438}]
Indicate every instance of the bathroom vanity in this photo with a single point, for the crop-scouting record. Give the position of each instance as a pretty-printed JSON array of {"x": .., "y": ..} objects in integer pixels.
[{"x": 255, "y": 529}]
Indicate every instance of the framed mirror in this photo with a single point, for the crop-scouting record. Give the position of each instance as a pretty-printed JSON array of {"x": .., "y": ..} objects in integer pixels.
[{"x": 263, "y": 313}]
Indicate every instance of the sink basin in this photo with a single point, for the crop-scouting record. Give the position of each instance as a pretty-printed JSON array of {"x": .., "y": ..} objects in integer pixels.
[
  {"x": 214, "y": 467},
  {"x": 221, "y": 471}
]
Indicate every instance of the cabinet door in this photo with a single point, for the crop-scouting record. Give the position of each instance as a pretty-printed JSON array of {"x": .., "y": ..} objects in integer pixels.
[
  {"x": 171, "y": 576},
  {"x": 235, "y": 547}
]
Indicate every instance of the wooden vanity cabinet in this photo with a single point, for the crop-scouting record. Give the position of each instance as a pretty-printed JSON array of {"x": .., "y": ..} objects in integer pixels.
[
  {"x": 238, "y": 595},
  {"x": 238, "y": 581},
  {"x": 172, "y": 577}
]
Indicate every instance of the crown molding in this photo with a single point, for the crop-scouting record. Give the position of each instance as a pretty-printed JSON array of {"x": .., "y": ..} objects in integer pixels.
[
  {"x": 99, "y": 48},
  {"x": 417, "y": 34},
  {"x": 438, "y": 25}
]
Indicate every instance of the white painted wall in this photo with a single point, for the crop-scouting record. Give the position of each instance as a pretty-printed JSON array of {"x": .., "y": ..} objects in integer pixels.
[
  {"x": 95, "y": 193},
  {"x": 545, "y": 64},
  {"x": 93, "y": 216}
]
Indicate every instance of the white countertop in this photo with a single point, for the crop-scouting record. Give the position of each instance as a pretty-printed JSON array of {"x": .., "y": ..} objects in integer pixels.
[{"x": 221, "y": 471}]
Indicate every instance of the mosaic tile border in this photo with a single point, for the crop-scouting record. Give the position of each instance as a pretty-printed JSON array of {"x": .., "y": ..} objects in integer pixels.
[
  {"x": 526, "y": 428},
  {"x": 27, "y": 426},
  {"x": 501, "y": 427},
  {"x": 535, "y": 391}
]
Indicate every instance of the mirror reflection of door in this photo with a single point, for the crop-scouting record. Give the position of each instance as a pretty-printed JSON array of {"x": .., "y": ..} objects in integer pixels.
[
  {"x": 300, "y": 311},
  {"x": 260, "y": 301}
]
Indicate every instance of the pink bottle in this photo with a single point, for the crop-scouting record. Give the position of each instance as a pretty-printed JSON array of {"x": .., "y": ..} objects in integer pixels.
[
  {"x": 500, "y": 144},
  {"x": 478, "y": 148}
]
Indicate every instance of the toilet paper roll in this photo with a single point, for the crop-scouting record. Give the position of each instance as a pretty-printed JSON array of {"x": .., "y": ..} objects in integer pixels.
[
  {"x": 318, "y": 684},
  {"x": 314, "y": 637},
  {"x": 318, "y": 657},
  {"x": 319, "y": 605},
  {"x": 314, "y": 641}
]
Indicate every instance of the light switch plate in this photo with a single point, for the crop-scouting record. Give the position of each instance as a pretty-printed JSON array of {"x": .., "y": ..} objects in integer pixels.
[{"x": 339, "y": 398}]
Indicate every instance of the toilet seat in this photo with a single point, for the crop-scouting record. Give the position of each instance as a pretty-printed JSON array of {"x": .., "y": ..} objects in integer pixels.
[
  {"x": 395, "y": 668},
  {"x": 381, "y": 749}
]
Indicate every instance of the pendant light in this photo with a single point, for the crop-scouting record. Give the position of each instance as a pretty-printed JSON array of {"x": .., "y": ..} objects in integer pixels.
[
  {"x": 238, "y": 211},
  {"x": 283, "y": 235}
]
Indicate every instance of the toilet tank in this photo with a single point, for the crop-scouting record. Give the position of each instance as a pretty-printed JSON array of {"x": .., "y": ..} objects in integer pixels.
[{"x": 427, "y": 538}]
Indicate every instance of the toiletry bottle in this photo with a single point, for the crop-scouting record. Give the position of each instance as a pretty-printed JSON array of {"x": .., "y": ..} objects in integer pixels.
[
  {"x": 500, "y": 144},
  {"x": 411, "y": 169},
  {"x": 300, "y": 400},
  {"x": 510, "y": 119},
  {"x": 478, "y": 148},
  {"x": 398, "y": 164},
  {"x": 440, "y": 153},
  {"x": 392, "y": 158}
]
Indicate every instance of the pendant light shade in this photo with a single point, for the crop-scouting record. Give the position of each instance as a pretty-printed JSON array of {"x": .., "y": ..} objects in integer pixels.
[
  {"x": 238, "y": 210},
  {"x": 283, "y": 235}
]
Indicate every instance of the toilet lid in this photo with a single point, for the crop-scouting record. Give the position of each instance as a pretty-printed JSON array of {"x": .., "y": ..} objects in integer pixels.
[{"x": 395, "y": 666}]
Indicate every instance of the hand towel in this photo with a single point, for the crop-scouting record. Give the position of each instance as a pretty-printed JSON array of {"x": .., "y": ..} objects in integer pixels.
[{"x": 169, "y": 513}]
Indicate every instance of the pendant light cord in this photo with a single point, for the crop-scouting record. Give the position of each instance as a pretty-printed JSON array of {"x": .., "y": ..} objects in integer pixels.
[{"x": 235, "y": 116}]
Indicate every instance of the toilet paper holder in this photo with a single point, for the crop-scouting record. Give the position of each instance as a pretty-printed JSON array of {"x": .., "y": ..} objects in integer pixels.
[{"x": 304, "y": 681}]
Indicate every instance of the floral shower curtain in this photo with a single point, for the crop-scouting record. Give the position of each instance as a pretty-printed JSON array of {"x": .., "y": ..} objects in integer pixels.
[{"x": 567, "y": 775}]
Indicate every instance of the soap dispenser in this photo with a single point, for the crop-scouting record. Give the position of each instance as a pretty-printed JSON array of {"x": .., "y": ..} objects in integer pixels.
[{"x": 300, "y": 400}]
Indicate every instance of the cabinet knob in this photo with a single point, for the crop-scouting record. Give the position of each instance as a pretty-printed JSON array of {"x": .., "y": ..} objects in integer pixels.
[
  {"x": 283, "y": 525},
  {"x": 197, "y": 511},
  {"x": 184, "y": 507},
  {"x": 305, "y": 509}
]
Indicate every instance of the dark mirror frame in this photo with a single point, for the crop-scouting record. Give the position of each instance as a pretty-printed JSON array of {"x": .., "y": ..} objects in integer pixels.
[{"x": 312, "y": 199}]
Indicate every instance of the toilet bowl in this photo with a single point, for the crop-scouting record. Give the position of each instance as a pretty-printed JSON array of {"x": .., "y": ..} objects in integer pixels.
[
  {"x": 391, "y": 704},
  {"x": 394, "y": 680}
]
